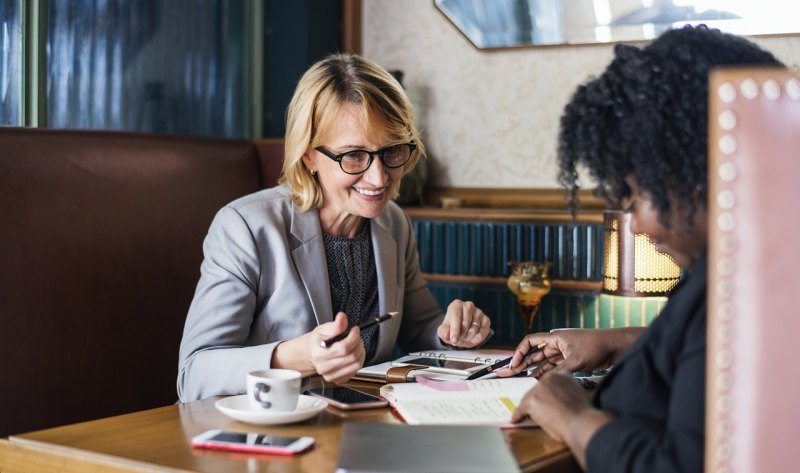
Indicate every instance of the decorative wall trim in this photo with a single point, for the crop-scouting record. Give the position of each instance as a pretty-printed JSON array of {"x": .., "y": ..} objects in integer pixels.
[
  {"x": 510, "y": 198},
  {"x": 562, "y": 284},
  {"x": 504, "y": 215}
]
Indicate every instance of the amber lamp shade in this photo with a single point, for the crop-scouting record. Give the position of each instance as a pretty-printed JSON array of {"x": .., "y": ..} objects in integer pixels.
[{"x": 631, "y": 264}]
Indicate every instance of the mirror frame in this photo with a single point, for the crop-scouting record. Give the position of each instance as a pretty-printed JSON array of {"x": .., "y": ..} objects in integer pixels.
[{"x": 504, "y": 24}]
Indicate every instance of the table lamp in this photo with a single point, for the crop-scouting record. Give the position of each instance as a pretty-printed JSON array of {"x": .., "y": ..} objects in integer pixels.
[
  {"x": 635, "y": 271},
  {"x": 631, "y": 264}
]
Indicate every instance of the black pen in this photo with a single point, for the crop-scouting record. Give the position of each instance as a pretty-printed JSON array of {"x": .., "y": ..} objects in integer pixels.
[
  {"x": 365, "y": 324},
  {"x": 502, "y": 363}
]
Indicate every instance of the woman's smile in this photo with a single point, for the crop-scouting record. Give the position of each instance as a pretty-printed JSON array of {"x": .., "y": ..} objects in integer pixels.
[{"x": 371, "y": 194}]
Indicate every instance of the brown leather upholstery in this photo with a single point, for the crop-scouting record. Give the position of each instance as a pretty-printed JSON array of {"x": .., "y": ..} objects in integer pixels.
[
  {"x": 100, "y": 250},
  {"x": 754, "y": 271}
]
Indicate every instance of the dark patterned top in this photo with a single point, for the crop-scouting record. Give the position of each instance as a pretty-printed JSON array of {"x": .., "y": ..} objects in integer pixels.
[{"x": 354, "y": 282}]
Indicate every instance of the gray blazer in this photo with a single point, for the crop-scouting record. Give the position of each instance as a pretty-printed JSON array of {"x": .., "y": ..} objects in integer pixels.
[{"x": 264, "y": 279}]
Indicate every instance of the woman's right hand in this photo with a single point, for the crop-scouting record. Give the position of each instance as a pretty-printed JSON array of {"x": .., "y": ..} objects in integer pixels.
[
  {"x": 339, "y": 362},
  {"x": 572, "y": 350}
]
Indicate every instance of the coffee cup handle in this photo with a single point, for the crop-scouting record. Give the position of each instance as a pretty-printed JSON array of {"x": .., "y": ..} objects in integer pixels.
[{"x": 261, "y": 388}]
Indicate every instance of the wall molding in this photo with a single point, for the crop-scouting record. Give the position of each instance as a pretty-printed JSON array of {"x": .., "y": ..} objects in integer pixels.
[
  {"x": 562, "y": 284},
  {"x": 510, "y": 198},
  {"x": 504, "y": 215}
]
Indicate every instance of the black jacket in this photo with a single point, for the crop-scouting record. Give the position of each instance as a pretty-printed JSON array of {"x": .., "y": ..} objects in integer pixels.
[{"x": 657, "y": 391}]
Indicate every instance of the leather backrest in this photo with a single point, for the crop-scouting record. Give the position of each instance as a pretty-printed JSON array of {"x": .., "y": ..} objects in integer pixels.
[
  {"x": 754, "y": 271},
  {"x": 100, "y": 248}
]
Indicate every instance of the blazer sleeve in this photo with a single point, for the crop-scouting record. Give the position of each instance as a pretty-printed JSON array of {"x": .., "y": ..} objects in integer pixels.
[
  {"x": 639, "y": 444},
  {"x": 421, "y": 313},
  {"x": 213, "y": 357}
]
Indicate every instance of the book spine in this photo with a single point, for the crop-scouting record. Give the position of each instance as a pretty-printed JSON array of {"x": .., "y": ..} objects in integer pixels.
[
  {"x": 450, "y": 245},
  {"x": 518, "y": 242},
  {"x": 503, "y": 244},
  {"x": 599, "y": 252},
  {"x": 437, "y": 247},
  {"x": 574, "y": 251},
  {"x": 475, "y": 250},
  {"x": 465, "y": 255},
  {"x": 424, "y": 245},
  {"x": 560, "y": 255},
  {"x": 486, "y": 246}
]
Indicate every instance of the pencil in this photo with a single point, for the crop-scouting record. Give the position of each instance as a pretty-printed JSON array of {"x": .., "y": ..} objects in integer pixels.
[
  {"x": 365, "y": 324},
  {"x": 504, "y": 362}
]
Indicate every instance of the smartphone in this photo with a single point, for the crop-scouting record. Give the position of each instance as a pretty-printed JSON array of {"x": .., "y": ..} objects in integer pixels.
[
  {"x": 347, "y": 398},
  {"x": 448, "y": 366},
  {"x": 252, "y": 442}
]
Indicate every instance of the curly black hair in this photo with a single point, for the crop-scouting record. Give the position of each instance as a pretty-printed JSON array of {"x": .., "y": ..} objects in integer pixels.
[{"x": 646, "y": 115}]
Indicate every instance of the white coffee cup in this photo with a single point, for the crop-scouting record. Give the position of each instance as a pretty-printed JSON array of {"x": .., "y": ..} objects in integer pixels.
[{"x": 273, "y": 389}]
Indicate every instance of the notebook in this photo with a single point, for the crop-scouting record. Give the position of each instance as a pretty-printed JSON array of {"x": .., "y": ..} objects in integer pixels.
[
  {"x": 435, "y": 364},
  {"x": 478, "y": 402},
  {"x": 401, "y": 448}
]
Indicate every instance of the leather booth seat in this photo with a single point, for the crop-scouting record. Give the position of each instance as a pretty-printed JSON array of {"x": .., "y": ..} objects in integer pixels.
[{"x": 100, "y": 249}]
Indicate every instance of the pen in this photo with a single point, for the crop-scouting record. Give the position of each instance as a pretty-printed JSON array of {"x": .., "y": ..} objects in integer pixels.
[
  {"x": 365, "y": 324},
  {"x": 502, "y": 363}
]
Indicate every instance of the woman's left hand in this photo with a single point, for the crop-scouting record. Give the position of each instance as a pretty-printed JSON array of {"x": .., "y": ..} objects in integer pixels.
[
  {"x": 561, "y": 407},
  {"x": 555, "y": 400},
  {"x": 464, "y": 325}
]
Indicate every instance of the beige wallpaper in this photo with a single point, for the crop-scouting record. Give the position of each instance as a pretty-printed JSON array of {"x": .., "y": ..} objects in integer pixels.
[{"x": 489, "y": 119}]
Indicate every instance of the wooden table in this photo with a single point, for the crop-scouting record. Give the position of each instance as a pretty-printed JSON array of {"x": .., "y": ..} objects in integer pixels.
[{"x": 159, "y": 440}]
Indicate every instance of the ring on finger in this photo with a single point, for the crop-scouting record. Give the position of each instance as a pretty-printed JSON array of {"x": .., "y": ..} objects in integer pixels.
[{"x": 476, "y": 324}]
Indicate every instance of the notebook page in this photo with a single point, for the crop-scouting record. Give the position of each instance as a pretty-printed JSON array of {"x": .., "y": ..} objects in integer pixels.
[
  {"x": 459, "y": 411},
  {"x": 482, "y": 388}
]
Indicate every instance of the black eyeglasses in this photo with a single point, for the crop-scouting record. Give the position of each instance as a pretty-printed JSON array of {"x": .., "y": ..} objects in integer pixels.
[{"x": 359, "y": 160}]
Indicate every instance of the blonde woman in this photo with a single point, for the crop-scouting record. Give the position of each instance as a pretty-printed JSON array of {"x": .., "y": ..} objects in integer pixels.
[{"x": 288, "y": 267}]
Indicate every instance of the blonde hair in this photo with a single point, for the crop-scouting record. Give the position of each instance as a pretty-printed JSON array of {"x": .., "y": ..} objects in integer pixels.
[{"x": 323, "y": 91}]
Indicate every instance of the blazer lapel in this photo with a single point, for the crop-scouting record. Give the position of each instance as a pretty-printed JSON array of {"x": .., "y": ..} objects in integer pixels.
[
  {"x": 309, "y": 260},
  {"x": 385, "y": 249}
]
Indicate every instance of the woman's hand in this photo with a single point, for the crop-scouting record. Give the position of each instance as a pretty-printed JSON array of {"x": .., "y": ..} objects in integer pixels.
[
  {"x": 553, "y": 402},
  {"x": 571, "y": 350},
  {"x": 561, "y": 407},
  {"x": 336, "y": 364},
  {"x": 464, "y": 325},
  {"x": 339, "y": 362}
]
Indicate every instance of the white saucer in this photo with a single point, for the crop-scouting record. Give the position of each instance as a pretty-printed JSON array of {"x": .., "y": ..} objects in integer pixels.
[{"x": 237, "y": 407}]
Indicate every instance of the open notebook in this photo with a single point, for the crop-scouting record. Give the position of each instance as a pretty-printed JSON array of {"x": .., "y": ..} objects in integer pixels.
[{"x": 479, "y": 402}]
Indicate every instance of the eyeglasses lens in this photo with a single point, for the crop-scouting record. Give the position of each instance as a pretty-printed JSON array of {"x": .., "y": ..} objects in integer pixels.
[
  {"x": 392, "y": 157},
  {"x": 396, "y": 156},
  {"x": 355, "y": 161}
]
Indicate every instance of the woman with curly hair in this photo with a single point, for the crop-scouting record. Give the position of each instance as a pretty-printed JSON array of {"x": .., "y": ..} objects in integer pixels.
[{"x": 640, "y": 129}]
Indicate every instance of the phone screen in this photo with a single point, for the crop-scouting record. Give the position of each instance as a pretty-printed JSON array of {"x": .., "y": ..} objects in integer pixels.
[
  {"x": 453, "y": 364},
  {"x": 253, "y": 439},
  {"x": 345, "y": 395}
]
